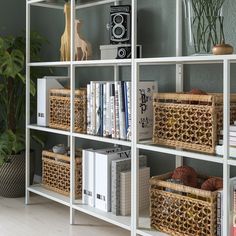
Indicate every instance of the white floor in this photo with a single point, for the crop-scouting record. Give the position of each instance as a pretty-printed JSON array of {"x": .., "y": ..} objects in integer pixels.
[{"x": 46, "y": 218}]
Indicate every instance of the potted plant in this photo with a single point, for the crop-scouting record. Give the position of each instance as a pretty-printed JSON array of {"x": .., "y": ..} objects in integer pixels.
[{"x": 12, "y": 107}]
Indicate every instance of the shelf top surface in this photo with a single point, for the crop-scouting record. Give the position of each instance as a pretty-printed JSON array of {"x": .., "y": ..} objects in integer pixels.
[
  {"x": 125, "y": 62},
  {"x": 60, "y": 4},
  {"x": 187, "y": 59},
  {"x": 211, "y": 59}
]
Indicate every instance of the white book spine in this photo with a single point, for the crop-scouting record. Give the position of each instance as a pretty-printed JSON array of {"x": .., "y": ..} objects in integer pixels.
[
  {"x": 145, "y": 109},
  {"x": 121, "y": 110},
  {"x": 88, "y": 178},
  {"x": 97, "y": 109},
  {"x": 88, "y": 109},
  {"x": 108, "y": 110},
  {"x": 128, "y": 90},
  {"x": 93, "y": 107},
  {"x": 113, "y": 115},
  {"x": 104, "y": 109},
  {"x": 117, "y": 105}
]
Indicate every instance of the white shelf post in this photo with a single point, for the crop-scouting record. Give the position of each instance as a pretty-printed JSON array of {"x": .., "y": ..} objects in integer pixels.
[
  {"x": 134, "y": 129},
  {"x": 226, "y": 167},
  {"x": 179, "y": 67},
  {"x": 72, "y": 123},
  {"x": 27, "y": 135}
]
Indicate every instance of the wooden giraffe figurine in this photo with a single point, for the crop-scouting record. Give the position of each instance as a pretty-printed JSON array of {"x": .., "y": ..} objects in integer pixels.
[
  {"x": 83, "y": 48},
  {"x": 65, "y": 38}
]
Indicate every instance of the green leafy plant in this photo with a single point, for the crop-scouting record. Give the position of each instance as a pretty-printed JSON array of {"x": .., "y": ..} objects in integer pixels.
[{"x": 12, "y": 92}]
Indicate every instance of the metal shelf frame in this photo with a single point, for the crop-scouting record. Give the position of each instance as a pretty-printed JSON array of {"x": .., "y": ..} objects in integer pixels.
[{"x": 133, "y": 223}]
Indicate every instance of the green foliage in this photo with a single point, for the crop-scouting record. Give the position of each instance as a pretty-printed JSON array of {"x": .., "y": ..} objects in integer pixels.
[{"x": 12, "y": 91}]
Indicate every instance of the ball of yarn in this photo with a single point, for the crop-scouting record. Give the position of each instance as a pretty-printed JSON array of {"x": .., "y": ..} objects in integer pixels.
[
  {"x": 197, "y": 91},
  {"x": 212, "y": 184},
  {"x": 187, "y": 175}
]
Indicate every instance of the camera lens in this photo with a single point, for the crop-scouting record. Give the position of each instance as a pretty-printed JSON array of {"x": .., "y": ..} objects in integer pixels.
[
  {"x": 121, "y": 53},
  {"x": 118, "y": 19},
  {"x": 118, "y": 31}
]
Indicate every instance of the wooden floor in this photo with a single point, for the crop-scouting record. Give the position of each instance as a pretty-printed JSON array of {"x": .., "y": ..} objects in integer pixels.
[{"x": 46, "y": 218}]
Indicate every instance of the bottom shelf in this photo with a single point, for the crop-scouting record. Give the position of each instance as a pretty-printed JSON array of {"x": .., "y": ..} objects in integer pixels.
[
  {"x": 144, "y": 226},
  {"x": 121, "y": 221},
  {"x": 40, "y": 190}
]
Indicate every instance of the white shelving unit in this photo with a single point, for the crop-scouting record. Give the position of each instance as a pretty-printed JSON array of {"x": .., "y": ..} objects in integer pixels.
[{"x": 137, "y": 224}]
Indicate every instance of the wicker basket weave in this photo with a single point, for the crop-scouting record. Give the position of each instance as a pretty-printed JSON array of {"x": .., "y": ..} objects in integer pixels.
[
  {"x": 189, "y": 121},
  {"x": 182, "y": 210},
  {"x": 56, "y": 173},
  {"x": 60, "y": 109}
]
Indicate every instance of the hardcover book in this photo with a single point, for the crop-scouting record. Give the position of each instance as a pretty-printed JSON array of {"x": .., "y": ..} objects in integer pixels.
[
  {"x": 125, "y": 192},
  {"x": 119, "y": 166}
]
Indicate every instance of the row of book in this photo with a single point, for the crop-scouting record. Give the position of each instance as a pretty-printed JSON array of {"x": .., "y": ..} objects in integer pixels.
[
  {"x": 109, "y": 109},
  {"x": 232, "y": 142},
  {"x": 107, "y": 180},
  {"x": 220, "y": 208}
]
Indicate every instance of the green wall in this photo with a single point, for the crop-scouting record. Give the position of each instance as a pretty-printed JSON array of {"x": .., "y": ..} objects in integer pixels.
[{"x": 12, "y": 16}]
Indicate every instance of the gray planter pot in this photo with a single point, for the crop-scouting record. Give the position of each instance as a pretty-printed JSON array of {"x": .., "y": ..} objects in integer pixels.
[{"x": 12, "y": 176}]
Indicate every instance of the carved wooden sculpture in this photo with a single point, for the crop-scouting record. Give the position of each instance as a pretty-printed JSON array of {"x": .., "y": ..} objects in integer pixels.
[
  {"x": 65, "y": 39},
  {"x": 82, "y": 47}
]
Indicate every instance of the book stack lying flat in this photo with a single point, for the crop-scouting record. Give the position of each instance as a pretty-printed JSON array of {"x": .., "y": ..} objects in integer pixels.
[
  {"x": 109, "y": 109},
  {"x": 232, "y": 142},
  {"x": 233, "y": 204}
]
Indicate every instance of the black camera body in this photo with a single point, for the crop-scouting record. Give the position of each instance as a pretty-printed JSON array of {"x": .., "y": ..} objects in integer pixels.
[{"x": 120, "y": 24}]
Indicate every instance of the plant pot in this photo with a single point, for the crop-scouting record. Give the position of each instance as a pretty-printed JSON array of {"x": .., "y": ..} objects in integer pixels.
[
  {"x": 12, "y": 176},
  {"x": 204, "y": 25}
]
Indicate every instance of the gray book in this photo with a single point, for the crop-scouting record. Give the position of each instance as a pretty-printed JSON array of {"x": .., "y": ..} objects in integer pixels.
[
  {"x": 117, "y": 167},
  {"x": 125, "y": 191}
]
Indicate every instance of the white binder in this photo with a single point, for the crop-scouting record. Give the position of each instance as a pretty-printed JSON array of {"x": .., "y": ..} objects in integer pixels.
[
  {"x": 88, "y": 174},
  {"x": 43, "y": 91},
  {"x": 103, "y": 178}
]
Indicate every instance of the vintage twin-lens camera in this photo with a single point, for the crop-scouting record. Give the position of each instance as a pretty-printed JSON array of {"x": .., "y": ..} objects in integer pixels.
[
  {"x": 120, "y": 24},
  {"x": 118, "y": 51}
]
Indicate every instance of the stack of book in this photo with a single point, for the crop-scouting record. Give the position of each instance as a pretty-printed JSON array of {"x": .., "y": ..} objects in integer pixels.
[
  {"x": 219, "y": 213},
  {"x": 232, "y": 142},
  {"x": 107, "y": 180},
  {"x": 220, "y": 208},
  {"x": 109, "y": 109}
]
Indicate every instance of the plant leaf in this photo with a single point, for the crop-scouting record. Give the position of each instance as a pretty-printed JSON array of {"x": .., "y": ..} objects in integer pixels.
[
  {"x": 1, "y": 87},
  {"x": 11, "y": 63},
  {"x": 6, "y": 144},
  {"x": 32, "y": 84},
  {"x": 39, "y": 139}
]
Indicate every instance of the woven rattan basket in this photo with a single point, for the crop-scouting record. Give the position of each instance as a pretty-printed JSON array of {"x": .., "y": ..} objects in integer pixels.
[
  {"x": 182, "y": 210},
  {"x": 189, "y": 121},
  {"x": 60, "y": 109},
  {"x": 56, "y": 173}
]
